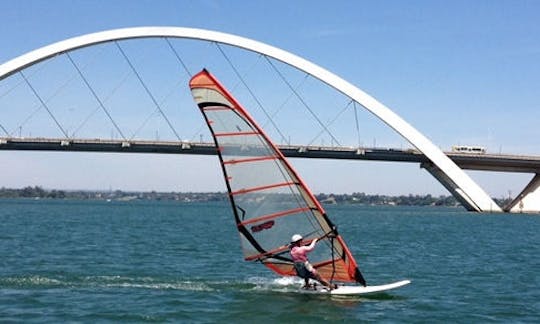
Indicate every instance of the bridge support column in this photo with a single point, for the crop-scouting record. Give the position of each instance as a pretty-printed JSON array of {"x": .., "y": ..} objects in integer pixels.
[
  {"x": 528, "y": 201},
  {"x": 454, "y": 189}
]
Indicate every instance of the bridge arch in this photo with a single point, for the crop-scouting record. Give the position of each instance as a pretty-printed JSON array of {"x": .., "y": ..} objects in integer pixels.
[{"x": 468, "y": 192}]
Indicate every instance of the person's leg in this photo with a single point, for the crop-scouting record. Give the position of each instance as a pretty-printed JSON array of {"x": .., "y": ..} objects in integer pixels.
[
  {"x": 315, "y": 275},
  {"x": 324, "y": 282}
]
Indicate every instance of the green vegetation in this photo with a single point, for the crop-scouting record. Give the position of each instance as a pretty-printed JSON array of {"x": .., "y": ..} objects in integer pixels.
[
  {"x": 37, "y": 192},
  {"x": 410, "y": 200}
]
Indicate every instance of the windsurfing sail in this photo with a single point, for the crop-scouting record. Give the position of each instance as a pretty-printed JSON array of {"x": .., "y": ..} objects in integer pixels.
[{"x": 269, "y": 200}]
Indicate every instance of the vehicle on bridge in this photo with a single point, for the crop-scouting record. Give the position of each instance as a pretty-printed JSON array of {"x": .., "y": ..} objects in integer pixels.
[{"x": 468, "y": 149}]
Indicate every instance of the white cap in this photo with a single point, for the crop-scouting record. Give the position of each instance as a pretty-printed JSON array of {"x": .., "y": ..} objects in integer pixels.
[{"x": 296, "y": 238}]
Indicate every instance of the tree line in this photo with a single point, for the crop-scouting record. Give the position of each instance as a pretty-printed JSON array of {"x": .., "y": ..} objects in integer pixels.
[{"x": 361, "y": 198}]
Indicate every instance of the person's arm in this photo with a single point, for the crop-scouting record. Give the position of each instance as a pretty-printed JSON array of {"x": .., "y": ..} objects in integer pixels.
[{"x": 311, "y": 246}]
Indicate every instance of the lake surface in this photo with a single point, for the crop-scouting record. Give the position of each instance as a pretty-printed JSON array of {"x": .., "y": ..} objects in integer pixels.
[{"x": 97, "y": 261}]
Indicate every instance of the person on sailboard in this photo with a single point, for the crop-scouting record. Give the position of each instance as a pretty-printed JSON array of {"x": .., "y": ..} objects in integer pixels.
[{"x": 303, "y": 268}]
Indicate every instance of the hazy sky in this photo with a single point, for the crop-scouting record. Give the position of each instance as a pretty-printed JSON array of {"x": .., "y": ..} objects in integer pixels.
[{"x": 461, "y": 72}]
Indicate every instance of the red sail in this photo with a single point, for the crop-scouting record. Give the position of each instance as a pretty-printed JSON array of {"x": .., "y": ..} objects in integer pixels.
[{"x": 269, "y": 200}]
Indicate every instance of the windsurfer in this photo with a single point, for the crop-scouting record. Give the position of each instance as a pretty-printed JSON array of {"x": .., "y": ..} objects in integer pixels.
[{"x": 303, "y": 268}]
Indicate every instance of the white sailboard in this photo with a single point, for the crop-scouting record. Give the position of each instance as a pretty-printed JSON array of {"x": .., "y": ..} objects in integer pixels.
[
  {"x": 270, "y": 201},
  {"x": 355, "y": 290}
]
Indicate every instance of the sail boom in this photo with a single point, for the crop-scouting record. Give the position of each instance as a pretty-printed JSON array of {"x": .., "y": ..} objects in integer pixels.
[{"x": 268, "y": 254}]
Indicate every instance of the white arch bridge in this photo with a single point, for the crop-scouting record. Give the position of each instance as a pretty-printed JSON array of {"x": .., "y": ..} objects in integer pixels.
[{"x": 439, "y": 164}]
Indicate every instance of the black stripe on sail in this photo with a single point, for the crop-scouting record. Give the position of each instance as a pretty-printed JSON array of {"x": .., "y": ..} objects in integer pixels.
[
  {"x": 359, "y": 277},
  {"x": 241, "y": 228},
  {"x": 212, "y": 104}
]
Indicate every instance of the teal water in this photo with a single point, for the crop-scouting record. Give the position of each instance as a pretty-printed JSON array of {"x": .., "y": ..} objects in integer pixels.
[{"x": 90, "y": 261}]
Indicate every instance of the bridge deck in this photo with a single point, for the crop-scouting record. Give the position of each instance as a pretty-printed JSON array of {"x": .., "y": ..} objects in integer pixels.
[{"x": 486, "y": 162}]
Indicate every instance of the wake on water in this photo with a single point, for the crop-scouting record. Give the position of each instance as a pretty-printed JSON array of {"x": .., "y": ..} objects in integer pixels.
[
  {"x": 116, "y": 281},
  {"x": 287, "y": 285},
  {"x": 102, "y": 281}
]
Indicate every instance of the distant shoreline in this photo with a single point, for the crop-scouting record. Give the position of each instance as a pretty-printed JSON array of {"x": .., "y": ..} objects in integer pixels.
[{"x": 119, "y": 195}]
